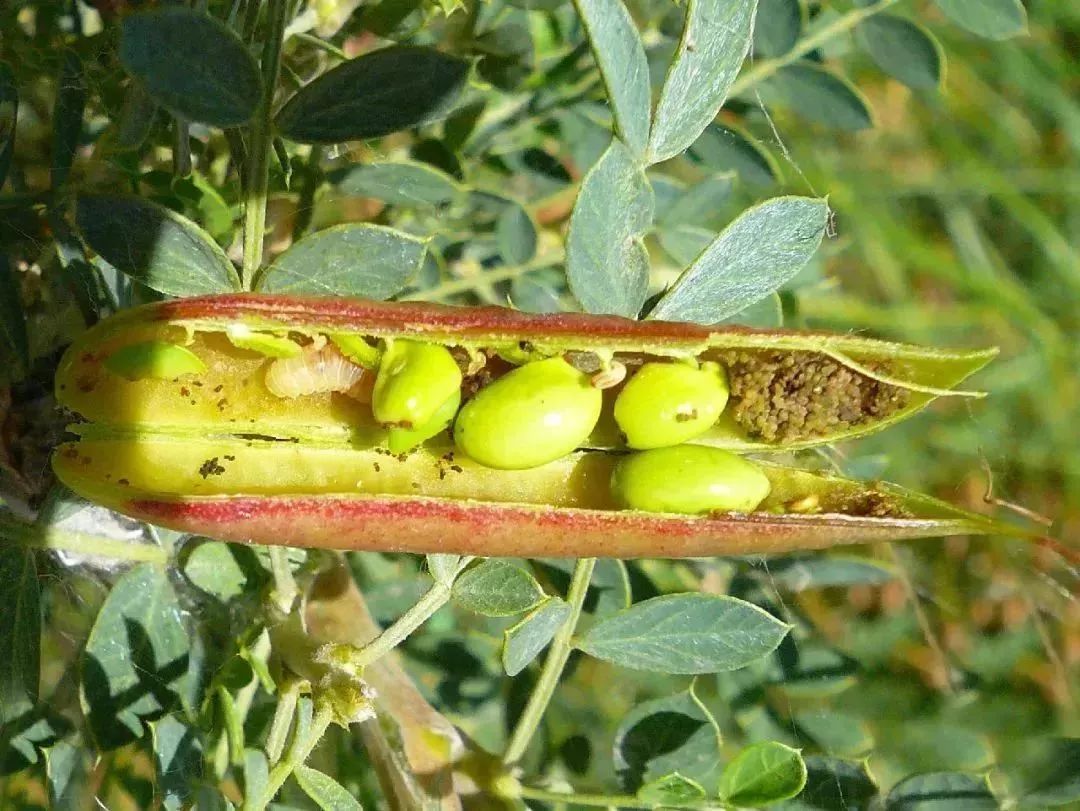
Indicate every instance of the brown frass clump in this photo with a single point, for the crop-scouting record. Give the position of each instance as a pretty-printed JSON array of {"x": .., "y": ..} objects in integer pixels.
[{"x": 791, "y": 396}]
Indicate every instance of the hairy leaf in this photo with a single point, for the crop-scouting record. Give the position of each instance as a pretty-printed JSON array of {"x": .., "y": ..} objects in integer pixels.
[
  {"x": 760, "y": 251},
  {"x": 327, "y": 792},
  {"x": 404, "y": 183},
  {"x": 607, "y": 264},
  {"x": 715, "y": 40},
  {"x": 621, "y": 56},
  {"x": 192, "y": 64},
  {"x": 354, "y": 259}
]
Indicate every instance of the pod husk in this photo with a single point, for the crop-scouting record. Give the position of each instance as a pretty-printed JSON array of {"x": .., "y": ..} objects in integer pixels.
[{"x": 427, "y": 522}]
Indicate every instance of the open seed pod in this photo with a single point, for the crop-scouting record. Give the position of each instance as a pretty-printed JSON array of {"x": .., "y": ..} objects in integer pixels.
[{"x": 254, "y": 418}]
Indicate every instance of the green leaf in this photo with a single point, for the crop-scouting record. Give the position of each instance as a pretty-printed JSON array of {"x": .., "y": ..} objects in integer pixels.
[
  {"x": 327, "y": 792},
  {"x": 715, "y": 40},
  {"x": 725, "y": 148},
  {"x": 609, "y": 586},
  {"x": 12, "y": 318},
  {"x": 992, "y": 19},
  {"x": 539, "y": 291},
  {"x": 698, "y": 204},
  {"x": 941, "y": 791},
  {"x": 354, "y": 259},
  {"x": 760, "y": 251},
  {"x": 822, "y": 571},
  {"x": 524, "y": 641},
  {"x": 497, "y": 588},
  {"x": 257, "y": 767},
  {"x": 178, "y": 757},
  {"x": 834, "y": 732},
  {"x": 777, "y": 26},
  {"x": 20, "y": 632},
  {"x": 9, "y": 113},
  {"x": 671, "y": 789},
  {"x": 763, "y": 773},
  {"x": 684, "y": 243},
  {"x": 192, "y": 64},
  {"x": 904, "y": 49},
  {"x": 618, "y": 50},
  {"x": 832, "y": 783},
  {"x": 821, "y": 96},
  {"x": 607, "y": 264},
  {"x": 516, "y": 235},
  {"x": 67, "y": 117},
  {"x": 154, "y": 245},
  {"x": 1048, "y": 774},
  {"x": 136, "y": 118},
  {"x": 671, "y": 734},
  {"x": 67, "y": 768},
  {"x": 404, "y": 183},
  {"x": 135, "y": 664},
  {"x": 375, "y": 94},
  {"x": 215, "y": 568},
  {"x": 685, "y": 633}
]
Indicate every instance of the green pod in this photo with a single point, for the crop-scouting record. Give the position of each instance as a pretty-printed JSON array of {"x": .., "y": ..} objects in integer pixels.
[
  {"x": 529, "y": 417},
  {"x": 403, "y": 440},
  {"x": 415, "y": 380},
  {"x": 669, "y": 403},
  {"x": 688, "y": 479}
]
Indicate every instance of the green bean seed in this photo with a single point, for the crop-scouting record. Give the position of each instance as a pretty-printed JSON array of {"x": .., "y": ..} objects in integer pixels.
[
  {"x": 533, "y": 415},
  {"x": 414, "y": 381},
  {"x": 669, "y": 403},
  {"x": 403, "y": 440},
  {"x": 691, "y": 479},
  {"x": 157, "y": 359},
  {"x": 356, "y": 349},
  {"x": 273, "y": 346}
]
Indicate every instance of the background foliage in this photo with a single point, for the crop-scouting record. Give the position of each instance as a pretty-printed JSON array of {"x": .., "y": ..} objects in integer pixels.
[{"x": 464, "y": 153}]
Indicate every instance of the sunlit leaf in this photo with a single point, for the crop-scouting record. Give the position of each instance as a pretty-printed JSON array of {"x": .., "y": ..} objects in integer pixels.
[
  {"x": 671, "y": 789},
  {"x": 67, "y": 766},
  {"x": 327, "y": 792},
  {"x": 191, "y": 64},
  {"x": 760, "y": 251},
  {"x": 354, "y": 259},
  {"x": 685, "y": 633},
  {"x": 618, "y": 50},
  {"x": 715, "y": 40},
  {"x": 763, "y": 773},
  {"x": 402, "y": 183},
  {"x": 178, "y": 757}
]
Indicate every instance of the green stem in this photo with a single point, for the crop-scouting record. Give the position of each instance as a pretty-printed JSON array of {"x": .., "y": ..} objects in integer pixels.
[
  {"x": 258, "y": 168},
  {"x": 553, "y": 665},
  {"x": 600, "y": 800},
  {"x": 288, "y": 697},
  {"x": 305, "y": 207},
  {"x": 486, "y": 277},
  {"x": 768, "y": 67},
  {"x": 33, "y": 536},
  {"x": 435, "y": 598},
  {"x": 298, "y": 753},
  {"x": 285, "y": 590}
]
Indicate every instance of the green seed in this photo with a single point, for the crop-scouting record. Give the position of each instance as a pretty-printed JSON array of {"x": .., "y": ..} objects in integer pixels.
[
  {"x": 533, "y": 415},
  {"x": 402, "y": 440},
  {"x": 414, "y": 381},
  {"x": 356, "y": 349},
  {"x": 670, "y": 403},
  {"x": 272, "y": 346},
  {"x": 158, "y": 359},
  {"x": 692, "y": 479}
]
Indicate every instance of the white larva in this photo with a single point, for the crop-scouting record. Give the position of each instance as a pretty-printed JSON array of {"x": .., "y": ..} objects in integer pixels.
[{"x": 320, "y": 367}]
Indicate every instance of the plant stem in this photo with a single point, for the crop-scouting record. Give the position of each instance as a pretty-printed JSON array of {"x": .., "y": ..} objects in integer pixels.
[
  {"x": 434, "y": 599},
  {"x": 768, "y": 67},
  {"x": 553, "y": 665},
  {"x": 297, "y": 754},
  {"x": 37, "y": 537},
  {"x": 258, "y": 167},
  {"x": 285, "y": 590},
  {"x": 288, "y": 696}
]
